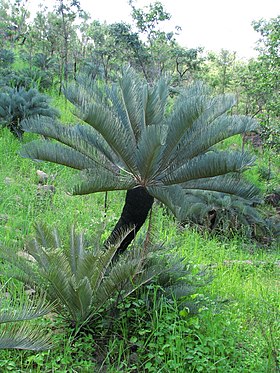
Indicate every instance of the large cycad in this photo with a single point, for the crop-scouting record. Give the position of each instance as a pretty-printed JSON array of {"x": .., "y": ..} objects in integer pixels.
[{"x": 135, "y": 138}]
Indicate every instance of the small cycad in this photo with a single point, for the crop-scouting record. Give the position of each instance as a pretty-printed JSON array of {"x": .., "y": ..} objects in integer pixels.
[{"x": 17, "y": 104}]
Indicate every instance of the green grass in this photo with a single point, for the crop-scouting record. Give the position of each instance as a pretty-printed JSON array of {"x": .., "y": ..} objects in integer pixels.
[{"x": 236, "y": 329}]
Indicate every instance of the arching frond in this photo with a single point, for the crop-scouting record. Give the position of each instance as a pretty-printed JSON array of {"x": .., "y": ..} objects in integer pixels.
[
  {"x": 30, "y": 310},
  {"x": 172, "y": 196},
  {"x": 228, "y": 184},
  {"x": 209, "y": 165},
  {"x": 81, "y": 138},
  {"x": 179, "y": 122},
  {"x": 24, "y": 337},
  {"x": 216, "y": 106},
  {"x": 202, "y": 138},
  {"x": 104, "y": 120},
  {"x": 45, "y": 237},
  {"x": 57, "y": 153},
  {"x": 100, "y": 180},
  {"x": 118, "y": 106},
  {"x": 134, "y": 96},
  {"x": 15, "y": 331}
]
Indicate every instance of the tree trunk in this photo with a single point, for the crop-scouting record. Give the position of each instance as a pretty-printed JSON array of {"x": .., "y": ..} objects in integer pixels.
[{"x": 138, "y": 203}]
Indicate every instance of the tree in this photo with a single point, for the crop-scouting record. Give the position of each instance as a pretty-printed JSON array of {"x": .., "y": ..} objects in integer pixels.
[
  {"x": 13, "y": 25},
  {"x": 259, "y": 82},
  {"x": 129, "y": 49},
  {"x": 159, "y": 44},
  {"x": 268, "y": 72},
  {"x": 132, "y": 143},
  {"x": 221, "y": 70},
  {"x": 110, "y": 46},
  {"x": 101, "y": 52},
  {"x": 147, "y": 21},
  {"x": 188, "y": 62},
  {"x": 260, "y": 78},
  {"x": 67, "y": 12}
]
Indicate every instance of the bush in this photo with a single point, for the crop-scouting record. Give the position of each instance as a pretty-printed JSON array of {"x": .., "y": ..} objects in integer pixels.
[
  {"x": 17, "y": 104},
  {"x": 7, "y": 58},
  {"x": 84, "y": 281}
]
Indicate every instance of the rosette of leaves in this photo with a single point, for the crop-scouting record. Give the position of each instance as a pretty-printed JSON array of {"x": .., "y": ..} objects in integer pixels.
[
  {"x": 82, "y": 280},
  {"x": 17, "y": 104},
  {"x": 134, "y": 139}
]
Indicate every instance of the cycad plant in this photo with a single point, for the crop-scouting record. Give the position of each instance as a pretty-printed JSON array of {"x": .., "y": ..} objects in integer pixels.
[
  {"x": 16, "y": 331},
  {"x": 17, "y": 104},
  {"x": 7, "y": 58},
  {"x": 81, "y": 280},
  {"x": 133, "y": 138},
  {"x": 223, "y": 213}
]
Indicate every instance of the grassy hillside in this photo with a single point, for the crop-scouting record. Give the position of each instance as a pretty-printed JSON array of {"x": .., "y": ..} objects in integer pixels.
[{"x": 237, "y": 325}]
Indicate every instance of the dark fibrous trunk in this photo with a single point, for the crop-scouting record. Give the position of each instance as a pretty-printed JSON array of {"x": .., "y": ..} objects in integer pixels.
[
  {"x": 16, "y": 130},
  {"x": 138, "y": 203}
]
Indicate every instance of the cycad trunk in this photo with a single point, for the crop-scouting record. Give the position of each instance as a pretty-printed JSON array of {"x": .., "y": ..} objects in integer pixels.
[{"x": 138, "y": 203}]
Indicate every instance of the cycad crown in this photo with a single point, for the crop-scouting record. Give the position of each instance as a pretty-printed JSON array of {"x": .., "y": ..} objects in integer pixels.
[
  {"x": 81, "y": 280},
  {"x": 17, "y": 104},
  {"x": 133, "y": 139}
]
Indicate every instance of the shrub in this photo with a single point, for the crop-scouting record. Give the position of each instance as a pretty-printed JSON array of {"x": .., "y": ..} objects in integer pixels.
[
  {"x": 17, "y": 104},
  {"x": 83, "y": 280},
  {"x": 7, "y": 58}
]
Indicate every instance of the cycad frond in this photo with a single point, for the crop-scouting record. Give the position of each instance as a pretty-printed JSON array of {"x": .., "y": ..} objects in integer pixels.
[
  {"x": 32, "y": 309},
  {"x": 16, "y": 332},
  {"x": 156, "y": 103},
  {"x": 227, "y": 184},
  {"x": 179, "y": 122},
  {"x": 172, "y": 196},
  {"x": 47, "y": 238},
  {"x": 203, "y": 137},
  {"x": 208, "y": 165},
  {"x": 149, "y": 150},
  {"x": 83, "y": 139},
  {"x": 133, "y": 95},
  {"x": 24, "y": 337},
  {"x": 57, "y": 153},
  {"x": 103, "y": 119},
  {"x": 101, "y": 180}
]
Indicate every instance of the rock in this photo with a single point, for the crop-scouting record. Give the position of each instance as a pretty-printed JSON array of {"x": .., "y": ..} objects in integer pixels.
[
  {"x": 43, "y": 177},
  {"x": 44, "y": 189},
  {"x": 3, "y": 218},
  {"x": 25, "y": 255},
  {"x": 8, "y": 180}
]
